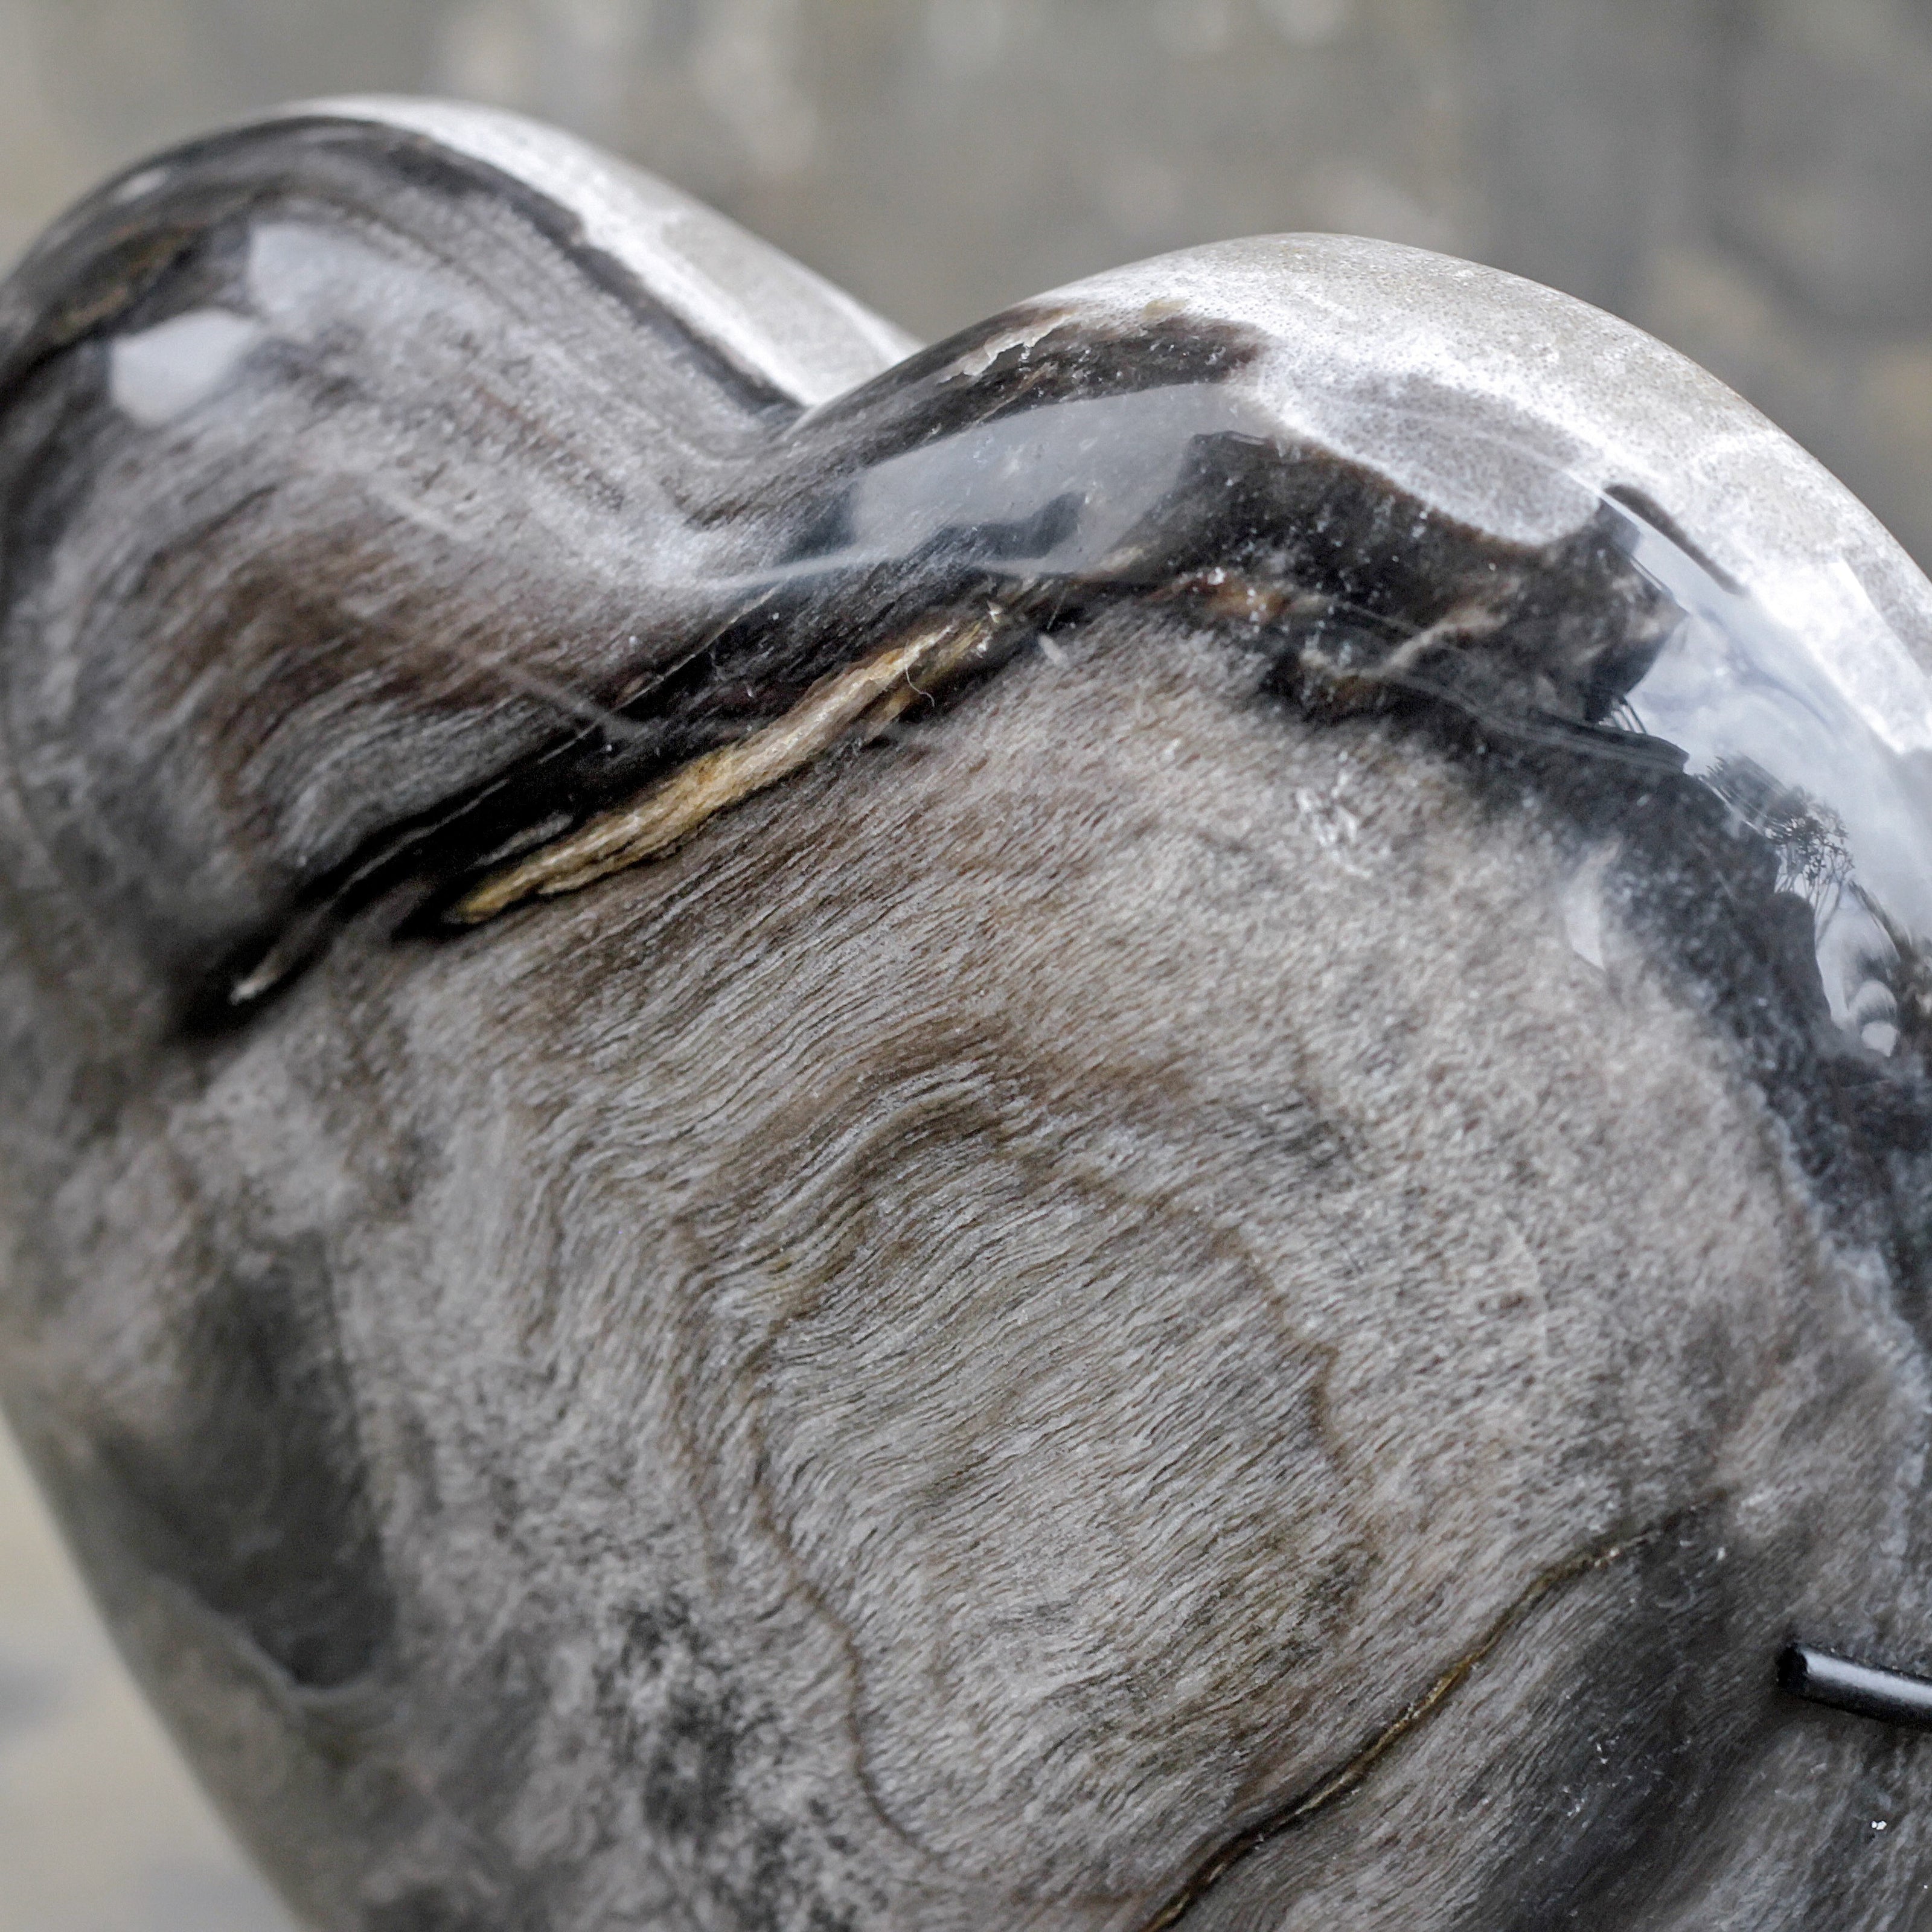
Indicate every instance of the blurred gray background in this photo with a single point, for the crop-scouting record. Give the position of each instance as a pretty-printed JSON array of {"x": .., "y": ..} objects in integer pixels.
[{"x": 1750, "y": 179}]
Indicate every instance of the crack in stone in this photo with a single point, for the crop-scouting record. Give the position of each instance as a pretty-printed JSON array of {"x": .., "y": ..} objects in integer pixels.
[
  {"x": 869, "y": 695},
  {"x": 1295, "y": 1811}
]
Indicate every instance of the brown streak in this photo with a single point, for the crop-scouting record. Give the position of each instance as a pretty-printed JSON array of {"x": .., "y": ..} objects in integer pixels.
[
  {"x": 1296, "y": 1811},
  {"x": 865, "y": 696}
]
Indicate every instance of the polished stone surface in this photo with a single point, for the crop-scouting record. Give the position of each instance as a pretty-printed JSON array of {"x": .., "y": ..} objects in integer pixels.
[
  {"x": 1742, "y": 178},
  {"x": 1134, "y": 1128}
]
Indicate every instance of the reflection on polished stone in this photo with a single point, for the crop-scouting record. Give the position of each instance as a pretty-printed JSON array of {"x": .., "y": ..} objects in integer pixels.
[{"x": 1125, "y": 1124}]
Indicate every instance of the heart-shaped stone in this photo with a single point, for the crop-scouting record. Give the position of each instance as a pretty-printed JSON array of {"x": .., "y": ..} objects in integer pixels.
[{"x": 1222, "y": 1213}]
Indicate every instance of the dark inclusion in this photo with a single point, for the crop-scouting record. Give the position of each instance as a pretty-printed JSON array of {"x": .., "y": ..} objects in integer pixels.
[{"x": 1762, "y": 837}]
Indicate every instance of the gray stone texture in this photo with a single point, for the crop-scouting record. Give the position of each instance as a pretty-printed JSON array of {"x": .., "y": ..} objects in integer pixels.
[{"x": 1747, "y": 179}]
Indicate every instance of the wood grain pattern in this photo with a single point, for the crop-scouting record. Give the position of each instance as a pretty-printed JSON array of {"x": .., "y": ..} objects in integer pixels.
[{"x": 1091, "y": 1314}]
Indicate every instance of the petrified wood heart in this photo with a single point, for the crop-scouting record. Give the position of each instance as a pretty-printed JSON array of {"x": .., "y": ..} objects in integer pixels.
[{"x": 1124, "y": 1124}]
